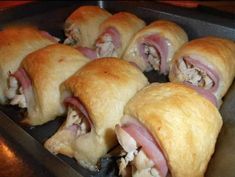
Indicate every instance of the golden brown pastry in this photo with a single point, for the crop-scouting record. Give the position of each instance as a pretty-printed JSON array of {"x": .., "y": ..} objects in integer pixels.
[
  {"x": 116, "y": 33},
  {"x": 35, "y": 85},
  {"x": 168, "y": 129},
  {"x": 15, "y": 43},
  {"x": 207, "y": 63},
  {"x": 95, "y": 97},
  {"x": 154, "y": 46},
  {"x": 82, "y": 26}
]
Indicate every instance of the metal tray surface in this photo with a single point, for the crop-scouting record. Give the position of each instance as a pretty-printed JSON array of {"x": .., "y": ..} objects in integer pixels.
[{"x": 50, "y": 16}]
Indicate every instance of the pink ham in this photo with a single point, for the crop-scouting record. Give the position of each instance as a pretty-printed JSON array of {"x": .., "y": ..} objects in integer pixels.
[
  {"x": 26, "y": 84},
  {"x": 206, "y": 93},
  {"x": 50, "y": 37},
  {"x": 147, "y": 142},
  {"x": 115, "y": 36},
  {"x": 210, "y": 72},
  {"x": 76, "y": 103},
  {"x": 23, "y": 78},
  {"x": 88, "y": 52},
  {"x": 161, "y": 45}
]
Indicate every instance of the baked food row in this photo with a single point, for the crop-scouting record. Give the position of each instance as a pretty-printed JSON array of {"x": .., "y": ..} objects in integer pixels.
[
  {"x": 100, "y": 96},
  {"x": 207, "y": 64}
]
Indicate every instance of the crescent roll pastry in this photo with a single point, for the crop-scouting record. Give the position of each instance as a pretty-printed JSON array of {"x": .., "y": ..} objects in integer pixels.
[
  {"x": 207, "y": 64},
  {"x": 35, "y": 85},
  {"x": 154, "y": 46},
  {"x": 116, "y": 33},
  {"x": 82, "y": 26},
  {"x": 95, "y": 97},
  {"x": 15, "y": 43},
  {"x": 167, "y": 129}
]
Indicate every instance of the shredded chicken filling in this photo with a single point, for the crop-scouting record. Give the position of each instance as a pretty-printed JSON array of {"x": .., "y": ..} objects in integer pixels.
[
  {"x": 105, "y": 46},
  {"x": 15, "y": 93},
  {"x": 137, "y": 164},
  {"x": 73, "y": 35},
  {"x": 152, "y": 56},
  {"x": 134, "y": 161},
  {"x": 194, "y": 75},
  {"x": 77, "y": 122}
]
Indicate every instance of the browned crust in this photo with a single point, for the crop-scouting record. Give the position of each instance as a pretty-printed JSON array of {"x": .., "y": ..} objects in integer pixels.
[
  {"x": 104, "y": 86},
  {"x": 48, "y": 68},
  {"x": 15, "y": 43},
  {"x": 184, "y": 124}
]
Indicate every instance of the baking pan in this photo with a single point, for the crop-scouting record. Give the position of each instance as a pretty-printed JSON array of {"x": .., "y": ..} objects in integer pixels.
[
  {"x": 50, "y": 16},
  {"x": 16, "y": 162}
]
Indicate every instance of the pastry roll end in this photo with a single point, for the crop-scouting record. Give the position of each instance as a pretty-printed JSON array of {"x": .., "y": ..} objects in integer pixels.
[
  {"x": 82, "y": 26},
  {"x": 168, "y": 129},
  {"x": 154, "y": 46},
  {"x": 95, "y": 98}
]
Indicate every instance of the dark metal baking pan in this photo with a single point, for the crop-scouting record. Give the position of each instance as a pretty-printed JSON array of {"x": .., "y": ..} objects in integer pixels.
[
  {"x": 16, "y": 161},
  {"x": 50, "y": 16}
]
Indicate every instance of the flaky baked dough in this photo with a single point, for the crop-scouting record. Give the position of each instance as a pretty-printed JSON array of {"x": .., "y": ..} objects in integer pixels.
[
  {"x": 126, "y": 24},
  {"x": 87, "y": 19},
  {"x": 48, "y": 68},
  {"x": 15, "y": 43},
  {"x": 166, "y": 29},
  {"x": 104, "y": 86},
  {"x": 217, "y": 53},
  {"x": 184, "y": 124}
]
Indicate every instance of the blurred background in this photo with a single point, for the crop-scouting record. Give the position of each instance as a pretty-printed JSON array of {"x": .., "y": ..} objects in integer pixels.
[{"x": 222, "y": 5}]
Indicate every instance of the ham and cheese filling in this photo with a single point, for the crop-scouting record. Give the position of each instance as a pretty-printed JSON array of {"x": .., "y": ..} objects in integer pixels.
[
  {"x": 142, "y": 156},
  {"x": 15, "y": 93},
  {"x": 76, "y": 122},
  {"x": 18, "y": 84},
  {"x": 197, "y": 74},
  {"x": 73, "y": 34},
  {"x": 108, "y": 43},
  {"x": 154, "y": 51},
  {"x": 88, "y": 52},
  {"x": 77, "y": 118},
  {"x": 50, "y": 37}
]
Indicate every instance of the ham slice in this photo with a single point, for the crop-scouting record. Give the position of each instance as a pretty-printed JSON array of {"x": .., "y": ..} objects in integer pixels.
[
  {"x": 206, "y": 93},
  {"x": 147, "y": 142},
  {"x": 77, "y": 105},
  {"x": 26, "y": 85},
  {"x": 161, "y": 46},
  {"x": 88, "y": 52},
  {"x": 50, "y": 37},
  {"x": 23, "y": 78}
]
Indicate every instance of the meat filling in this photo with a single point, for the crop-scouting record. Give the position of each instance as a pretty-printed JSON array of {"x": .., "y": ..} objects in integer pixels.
[
  {"x": 73, "y": 35},
  {"x": 152, "y": 56},
  {"x": 15, "y": 93},
  {"x": 194, "y": 75},
  {"x": 77, "y": 122},
  {"x": 105, "y": 46},
  {"x": 134, "y": 161}
]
